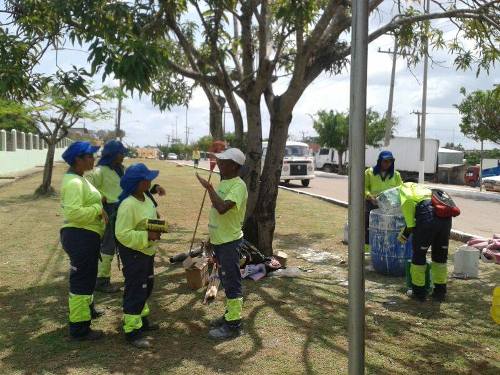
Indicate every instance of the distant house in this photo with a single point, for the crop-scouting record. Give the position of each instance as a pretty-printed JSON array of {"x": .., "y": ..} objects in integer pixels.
[
  {"x": 148, "y": 152},
  {"x": 77, "y": 132}
]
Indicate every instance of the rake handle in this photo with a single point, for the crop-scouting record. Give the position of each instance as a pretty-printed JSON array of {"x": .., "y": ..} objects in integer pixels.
[{"x": 199, "y": 215}]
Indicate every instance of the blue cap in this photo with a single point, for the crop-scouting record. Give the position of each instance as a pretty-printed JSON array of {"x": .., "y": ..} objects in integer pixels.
[
  {"x": 109, "y": 152},
  {"x": 77, "y": 149},
  {"x": 133, "y": 176},
  {"x": 385, "y": 155}
]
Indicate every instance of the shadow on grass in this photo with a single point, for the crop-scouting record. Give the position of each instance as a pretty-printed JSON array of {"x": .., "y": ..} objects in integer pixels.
[
  {"x": 296, "y": 240},
  {"x": 308, "y": 315},
  {"x": 20, "y": 199}
]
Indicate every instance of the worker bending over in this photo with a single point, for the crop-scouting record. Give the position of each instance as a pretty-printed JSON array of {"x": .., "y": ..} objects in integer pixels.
[
  {"x": 84, "y": 221},
  {"x": 430, "y": 224},
  {"x": 225, "y": 230},
  {"x": 137, "y": 249},
  {"x": 378, "y": 179}
]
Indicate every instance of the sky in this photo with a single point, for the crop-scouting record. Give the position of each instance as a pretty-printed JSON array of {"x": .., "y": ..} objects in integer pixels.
[{"x": 146, "y": 125}]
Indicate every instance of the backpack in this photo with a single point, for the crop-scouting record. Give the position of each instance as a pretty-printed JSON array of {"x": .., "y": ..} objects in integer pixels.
[{"x": 444, "y": 206}]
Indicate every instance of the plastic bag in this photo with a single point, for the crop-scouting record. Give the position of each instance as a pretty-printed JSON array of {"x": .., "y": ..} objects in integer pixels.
[
  {"x": 286, "y": 272},
  {"x": 389, "y": 201}
]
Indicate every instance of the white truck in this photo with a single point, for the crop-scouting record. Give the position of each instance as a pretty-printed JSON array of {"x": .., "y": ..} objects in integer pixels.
[
  {"x": 298, "y": 163},
  {"x": 406, "y": 150}
]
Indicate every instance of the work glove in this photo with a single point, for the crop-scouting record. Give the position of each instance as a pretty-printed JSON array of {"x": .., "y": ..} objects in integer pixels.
[{"x": 404, "y": 234}]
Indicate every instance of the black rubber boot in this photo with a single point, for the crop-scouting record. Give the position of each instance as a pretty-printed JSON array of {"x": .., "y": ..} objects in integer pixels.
[
  {"x": 103, "y": 285},
  {"x": 226, "y": 331},
  {"x": 95, "y": 313},
  {"x": 418, "y": 293},
  {"x": 92, "y": 335},
  {"x": 147, "y": 326},
  {"x": 136, "y": 339},
  {"x": 439, "y": 293},
  {"x": 217, "y": 322}
]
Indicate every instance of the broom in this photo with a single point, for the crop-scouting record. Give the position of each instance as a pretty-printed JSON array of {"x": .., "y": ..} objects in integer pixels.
[{"x": 212, "y": 166}]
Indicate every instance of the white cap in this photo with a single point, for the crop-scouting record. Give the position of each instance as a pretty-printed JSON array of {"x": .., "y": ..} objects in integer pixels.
[{"x": 233, "y": 154}]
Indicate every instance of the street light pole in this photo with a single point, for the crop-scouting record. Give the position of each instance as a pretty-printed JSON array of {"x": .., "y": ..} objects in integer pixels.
[
  {"x": 357, "y": 121},
  {"x": 421, "y": 172}
]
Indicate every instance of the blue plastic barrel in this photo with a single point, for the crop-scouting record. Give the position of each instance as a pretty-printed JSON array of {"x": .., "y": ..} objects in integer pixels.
[{"x": 388, "y": 255}]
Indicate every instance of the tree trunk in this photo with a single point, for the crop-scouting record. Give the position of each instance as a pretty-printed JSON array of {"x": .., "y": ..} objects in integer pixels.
[
  {"x": 253, "y": 167},
  {"x": 216, "y": 110},
  {"x": 45, "y": 188},
  {"x": 265, "y": 209},
  {"x": 238, "y": 121},
  {"x": 341, "y": 164}
]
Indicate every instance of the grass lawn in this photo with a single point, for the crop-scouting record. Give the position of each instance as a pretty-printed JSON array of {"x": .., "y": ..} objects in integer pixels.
[{"x": 292, "y": 326}]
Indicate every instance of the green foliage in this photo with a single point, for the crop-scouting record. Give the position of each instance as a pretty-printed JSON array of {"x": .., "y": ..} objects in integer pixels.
[
  {"x": 205, "y": 142},
  {"x": 453, "y": 146},
  {"x": 333, "y": 129},
  {"x": 480, "y": 111},
  {"x": 230, "y": 138},
  {"x": 15, "y": 116},
  {"x": 375, "y": 127},
  {"x": 473, "y": 157}
]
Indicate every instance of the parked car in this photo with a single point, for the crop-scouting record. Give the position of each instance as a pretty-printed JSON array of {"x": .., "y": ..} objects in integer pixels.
[{"x": 172, "y": 156}]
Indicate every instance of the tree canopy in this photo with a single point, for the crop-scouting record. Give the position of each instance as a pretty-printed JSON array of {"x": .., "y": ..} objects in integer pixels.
[{"x": 480, "y": 111}]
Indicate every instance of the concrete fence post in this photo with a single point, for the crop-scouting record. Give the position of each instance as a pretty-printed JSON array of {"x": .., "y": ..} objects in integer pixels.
[
  {"x": 29, "y": 144},
  {"x": 13, "y": 135},
  {"x": 35, "y": 142},
  {"x": 22, "y": 137},
  {"x": 3, "y": 140}
]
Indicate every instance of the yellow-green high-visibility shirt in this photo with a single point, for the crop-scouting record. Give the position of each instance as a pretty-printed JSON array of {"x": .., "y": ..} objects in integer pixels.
[
  {"x": 81, "y": 204},
  {"x": 130, "y": 228},
  {"x": 412, "y": 194},
  {"x": 107, "y": 181},
  {"x": 228, "y": 227},
  {"x": 196, "y": 155},
  {"x": 374, "y": 184}
]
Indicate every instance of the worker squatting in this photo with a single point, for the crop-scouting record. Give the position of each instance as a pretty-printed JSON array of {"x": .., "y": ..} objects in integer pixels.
[{"x": 108, "y": 210}]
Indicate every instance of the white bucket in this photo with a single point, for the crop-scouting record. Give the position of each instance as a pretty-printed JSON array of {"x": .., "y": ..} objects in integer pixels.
[{"x": 466, "y": 263}]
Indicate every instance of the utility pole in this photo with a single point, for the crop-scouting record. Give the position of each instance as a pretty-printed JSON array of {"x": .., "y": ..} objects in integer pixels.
[
  {"x": 389, "y": 125},
  {"x": 418, "y": 113},
  {"x": 303, "y": 135},
  {"x": 421, "y": 172},
  {"x": 357, "y": 133},
  {"x": 188, "y": 131},
  {"x": 176, "y": 117}
]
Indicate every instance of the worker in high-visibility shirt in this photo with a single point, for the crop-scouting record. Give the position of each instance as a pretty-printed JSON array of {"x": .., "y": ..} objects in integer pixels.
[
  {"x": 106, "y": 178},
  {"x": 378, "y": 179},
  {"x": 428, "y": 230},
  {"x": 84, "y": 222},
  {"x": 196, "y": 157},
  {"x": 137, "y": 249},
  {"x": 229, "y": 201}
]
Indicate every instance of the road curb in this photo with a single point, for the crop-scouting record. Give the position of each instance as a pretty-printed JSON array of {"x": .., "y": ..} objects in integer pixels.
[{"x": 454, "y": 235}]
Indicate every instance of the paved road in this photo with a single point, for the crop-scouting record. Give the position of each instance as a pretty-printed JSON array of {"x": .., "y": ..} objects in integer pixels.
[{"x": 479, "y": 217}]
